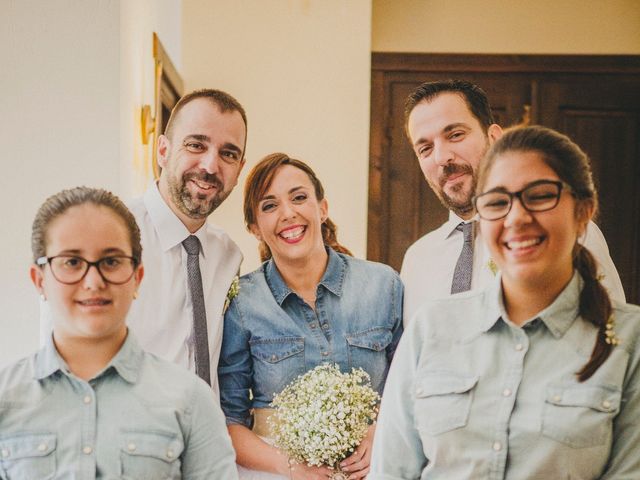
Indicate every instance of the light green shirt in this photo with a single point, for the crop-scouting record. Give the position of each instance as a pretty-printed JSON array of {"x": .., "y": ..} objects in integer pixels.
[
  {"x": 140, "y": 418},
  {"x": 470, "y": 395}
]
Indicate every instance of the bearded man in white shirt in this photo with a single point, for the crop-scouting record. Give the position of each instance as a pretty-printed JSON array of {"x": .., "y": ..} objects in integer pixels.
[
  {"x": 201, "y": 155},
  {"x": 450, "y": 127}
]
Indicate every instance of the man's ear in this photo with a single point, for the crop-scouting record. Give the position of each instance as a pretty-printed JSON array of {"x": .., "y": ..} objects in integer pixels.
[
  {"x": 163, "y": 150},
  {"x": 494, "y": 132}
]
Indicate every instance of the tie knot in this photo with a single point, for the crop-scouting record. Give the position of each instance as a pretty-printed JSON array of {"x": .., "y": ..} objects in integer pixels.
[
  {"x": 192, "y": 245},
  {"x": 467, "y": 231}
]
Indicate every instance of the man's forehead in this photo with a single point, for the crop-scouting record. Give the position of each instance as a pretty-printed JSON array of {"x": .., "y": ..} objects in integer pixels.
[
  {"x": 203, "y": 112},
  {"x": 436, "y": 115}
]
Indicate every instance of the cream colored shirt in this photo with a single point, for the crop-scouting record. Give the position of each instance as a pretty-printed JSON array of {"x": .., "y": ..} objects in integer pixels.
[{"x": 427, "y": 268}]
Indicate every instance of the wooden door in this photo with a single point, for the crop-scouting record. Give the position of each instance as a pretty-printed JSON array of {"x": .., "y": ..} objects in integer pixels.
[{"x": 557, "y": 91}]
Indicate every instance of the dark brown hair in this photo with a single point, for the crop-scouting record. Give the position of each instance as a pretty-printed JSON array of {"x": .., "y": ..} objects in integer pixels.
[
  {"x": 58, "y": 204},
  {"x": 258, "y": 182},
  {"x": 472, "y": 94},
  {"x": 224, "y": 101},
  {"x": 572, "y": 165}
]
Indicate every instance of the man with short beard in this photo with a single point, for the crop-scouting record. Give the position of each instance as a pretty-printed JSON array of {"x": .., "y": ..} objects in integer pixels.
[
  {"x": 450, "y": 127},
  {"x": 201, "y": 155}
]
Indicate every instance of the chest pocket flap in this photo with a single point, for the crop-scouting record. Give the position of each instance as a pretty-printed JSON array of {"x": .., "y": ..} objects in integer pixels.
[
  {"x": 374, "y": 339},
  {"x": 598, "y": 398},
  {"x": 27, "y": 446},
  {"x": 443, "y": 383},
  {"x": 274, "y": 350},
  {"x": 166, "y": 447}
]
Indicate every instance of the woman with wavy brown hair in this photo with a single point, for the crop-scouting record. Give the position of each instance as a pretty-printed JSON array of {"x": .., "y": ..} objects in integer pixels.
[
  {"x": 537, "y": 376},
  {"x": 309, "y": 303}
]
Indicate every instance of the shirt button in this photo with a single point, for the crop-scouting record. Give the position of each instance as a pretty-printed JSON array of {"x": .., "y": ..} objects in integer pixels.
[
  {"x": 131, "y": 447},
  {"x": 556, "y": 398},
  {"x": 519, "y": 347},
  {"x": 606, "y": 404},
  {"x": 324, "y": 354},
  {"x": 87, "y": 399},
  {"x": 419, "y": 391},
  {"x": 5, "y": 453},
  {"x": 313, "y": 325},
  {"x": 42, "y": 447},
  {"x": 273, "y": 358},
  {"x": 325, "y": 326},
  {"x": 169, "y": 453},
  {"x": 506, "y": 392},
  {"x": 87, "y": 450},
  {"x": 497, "y": 446}
]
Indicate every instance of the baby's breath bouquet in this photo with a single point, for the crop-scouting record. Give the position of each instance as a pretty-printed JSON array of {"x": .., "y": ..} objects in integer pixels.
[{"x": 323, "y": 415}]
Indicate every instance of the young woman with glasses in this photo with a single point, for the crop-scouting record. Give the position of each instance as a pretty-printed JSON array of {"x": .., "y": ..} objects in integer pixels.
[
  {"x": 537, "y": 376},
  {"x": 90, "y": 403}
]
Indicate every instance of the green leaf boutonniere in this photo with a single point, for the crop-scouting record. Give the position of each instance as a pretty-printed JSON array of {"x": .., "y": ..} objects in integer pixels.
[
  {"x": 234, "y": 289},
  {"x": 492, "y": 266}
]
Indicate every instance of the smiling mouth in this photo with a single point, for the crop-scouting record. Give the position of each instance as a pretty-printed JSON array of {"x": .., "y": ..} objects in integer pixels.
[
  {"x": 203, "y": 185},
  {"x": 517, "y": 245},
  {"x": 293, "y": 233},
  {"x": 94, "y": 302}
]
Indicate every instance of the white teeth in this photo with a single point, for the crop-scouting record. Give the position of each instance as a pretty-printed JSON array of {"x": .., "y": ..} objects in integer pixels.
[
  {"x": 524, "y": 243},
  {"x": 89, "y": 303},
  {"x": 204, "y": 186},
  {"x": 293, "y": 233}
]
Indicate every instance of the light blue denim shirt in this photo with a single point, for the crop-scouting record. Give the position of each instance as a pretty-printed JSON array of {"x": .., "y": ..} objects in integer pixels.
[
  {"x": 141, "y": 418},
  {"x": 470, "y": 395},
  {"x": 271, "y": 335}
]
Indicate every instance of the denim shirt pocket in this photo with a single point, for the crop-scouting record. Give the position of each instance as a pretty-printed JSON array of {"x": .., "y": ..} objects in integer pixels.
[
  {"x": 277, "y": 361},
  {"x": 580, "y": 415},
  {"x": 28, "y": 455},
  {"x": 442, "y": 400},
  {"x": 150, "y": 455},
  {"x": 367, "y": 350}
]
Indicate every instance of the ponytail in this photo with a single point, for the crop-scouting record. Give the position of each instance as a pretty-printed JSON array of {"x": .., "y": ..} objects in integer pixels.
[{"x": 595, "y": 307}]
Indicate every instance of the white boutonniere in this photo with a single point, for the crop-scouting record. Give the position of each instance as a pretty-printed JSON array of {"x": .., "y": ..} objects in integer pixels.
[{"x": 234, "y": 289}]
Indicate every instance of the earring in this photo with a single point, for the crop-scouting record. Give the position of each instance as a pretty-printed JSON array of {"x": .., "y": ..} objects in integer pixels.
[
  {"x": 135, "y": 295},
  {"x": 42, "y": 297}
]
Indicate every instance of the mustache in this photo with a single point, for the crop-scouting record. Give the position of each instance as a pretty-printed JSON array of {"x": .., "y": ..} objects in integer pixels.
[
  {"x": 210, "y": 178},
  {"x": 451, "y": 169}
]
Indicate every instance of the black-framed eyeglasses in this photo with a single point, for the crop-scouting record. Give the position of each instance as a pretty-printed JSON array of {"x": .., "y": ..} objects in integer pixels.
[
  {"x": 70, "y": 269},
  {"x": 538, "y": 196}
]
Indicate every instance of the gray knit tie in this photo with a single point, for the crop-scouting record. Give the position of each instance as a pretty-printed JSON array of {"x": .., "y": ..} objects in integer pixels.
[
  {"x": 464, "y": 267},
  {"x": 192, "y": 245}
]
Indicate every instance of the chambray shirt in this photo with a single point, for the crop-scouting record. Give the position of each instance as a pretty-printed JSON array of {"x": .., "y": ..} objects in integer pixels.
[
  {"x": 141, "y": 418},
  {"x": 271, "y": 336},
  {"x": 470, "y": 395}
]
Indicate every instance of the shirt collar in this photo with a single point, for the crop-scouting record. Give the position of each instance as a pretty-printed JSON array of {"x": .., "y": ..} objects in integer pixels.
[
  {"x": 127, "y": 362},
  {"x": 332, "y": 279},
  {"x": 558, "y": 316},
  {"x": 171, "y": 231},
  {"x": 453, "y": 222}
]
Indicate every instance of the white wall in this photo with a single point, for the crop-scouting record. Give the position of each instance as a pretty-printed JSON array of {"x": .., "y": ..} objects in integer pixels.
[
  {"x": 301, "y": 69},
  {"x": 74, "y": 75},
  {"x": 506, "y": 26}
]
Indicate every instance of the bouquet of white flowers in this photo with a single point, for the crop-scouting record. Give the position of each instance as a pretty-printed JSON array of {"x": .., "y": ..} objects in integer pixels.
[{"x": 323, "y": 415}]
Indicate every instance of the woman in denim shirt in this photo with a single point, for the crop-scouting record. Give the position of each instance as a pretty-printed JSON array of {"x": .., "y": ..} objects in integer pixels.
[
  {"x": 537, "y": 377},
  {"x": 91, "y": 404},
  {"x": 309, "y": 303}
]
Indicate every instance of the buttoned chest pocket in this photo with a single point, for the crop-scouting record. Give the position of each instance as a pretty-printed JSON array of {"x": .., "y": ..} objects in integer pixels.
[
  {"x": 151, "y": 456},
  {"x": 28, "y": 456},
  {"x": 580, "y": 415},
  {"x": 442, "y": 401},
  {"x": 277, "y": 361},
  {"x": 367, "y": 350}
]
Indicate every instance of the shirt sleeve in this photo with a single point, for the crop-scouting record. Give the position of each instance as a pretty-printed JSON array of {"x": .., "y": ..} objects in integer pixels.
[
  {"x": 595, "y": 242},
  {"x": 624, "y": 461},
  {"x": 397, "y": 306},
  {"x": 235, "y": 368},
  {"x": 397, "y": 448},
  {"x": 208, "y": 450}
]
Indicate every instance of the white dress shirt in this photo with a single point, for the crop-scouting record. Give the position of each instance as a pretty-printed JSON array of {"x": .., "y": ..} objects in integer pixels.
[
  {"x": 162, "y": 316},
  {"x": 427, "y": 268}
]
